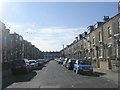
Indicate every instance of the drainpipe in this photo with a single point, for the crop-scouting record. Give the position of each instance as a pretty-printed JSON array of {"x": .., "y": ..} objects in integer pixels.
[{"x": 97, "y": 60}]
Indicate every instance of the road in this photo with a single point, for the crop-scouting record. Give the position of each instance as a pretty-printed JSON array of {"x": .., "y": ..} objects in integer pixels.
[{"x": 54, "y": 75}]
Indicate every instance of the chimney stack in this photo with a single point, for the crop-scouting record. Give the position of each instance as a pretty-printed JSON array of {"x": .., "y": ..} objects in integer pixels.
[
  {"x": 76, "y": 38},
  {"x": 106, "y": 18},
  {"x": 80, "y": 36}
]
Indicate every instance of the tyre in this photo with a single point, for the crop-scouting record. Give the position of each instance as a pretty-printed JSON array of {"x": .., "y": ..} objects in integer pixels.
[
  {"x": 74, "y": 69},
  {"x": 91, "y": 72},
  {"x": 68, "y": 68}
]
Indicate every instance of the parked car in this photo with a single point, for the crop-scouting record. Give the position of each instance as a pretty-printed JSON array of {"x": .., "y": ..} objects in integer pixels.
[
  {"x": 70, "y": 64},
  {"x": 56, "y": 59},
  {"x": 20, "y": 66},
  {"x": 33, "y": 64},
  {"x": 65, "y": 61},
  {"x": 46, "y": 60},
  {"x": 40, "y": 62},
  {"x": 83, "y": 66},
  {"x": 60, "y": 61}
]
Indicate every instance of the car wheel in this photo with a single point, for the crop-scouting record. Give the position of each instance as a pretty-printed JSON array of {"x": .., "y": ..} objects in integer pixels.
[
  {"x": 68, "y": 68},
  {"x": 74, "y": 69},
  {"x": 91, "y": 72}
]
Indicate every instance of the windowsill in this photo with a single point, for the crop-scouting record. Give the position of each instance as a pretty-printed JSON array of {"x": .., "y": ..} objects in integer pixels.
[
  {"x": 94, "y": 57},
  {"x": 109, "y": 37},
  {"x": 100, "y": 57},
  {"x": 100, "y": 41},
  {"x": 89, "y": 57},
  {"x": 93, "y": 44}
]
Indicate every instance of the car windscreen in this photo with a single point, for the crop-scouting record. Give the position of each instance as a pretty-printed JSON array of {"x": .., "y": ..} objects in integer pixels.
[{"x": 84, "y": 62}]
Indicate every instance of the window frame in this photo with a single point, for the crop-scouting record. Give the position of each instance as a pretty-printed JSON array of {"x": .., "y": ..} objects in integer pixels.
[{"x": 109, "y": 31}]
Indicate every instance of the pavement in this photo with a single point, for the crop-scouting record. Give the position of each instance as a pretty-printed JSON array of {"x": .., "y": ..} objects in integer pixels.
[{"x": 109, "y": 74}]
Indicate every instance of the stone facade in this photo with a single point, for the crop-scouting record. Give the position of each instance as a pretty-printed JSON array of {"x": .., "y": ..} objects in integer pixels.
[
  {"x": 14, "y": 47},
  {"x": 51, "y": 55},
  {"x": 100, "y": 43}
]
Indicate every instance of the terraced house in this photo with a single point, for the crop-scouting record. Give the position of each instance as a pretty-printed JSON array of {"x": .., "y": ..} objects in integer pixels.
[
  {"x": 14, "y": 47},
  {"x": 100, "y": 44}
]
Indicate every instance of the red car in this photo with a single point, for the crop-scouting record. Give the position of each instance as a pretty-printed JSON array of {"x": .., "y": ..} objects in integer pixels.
[{"x": 21, "y": 66}]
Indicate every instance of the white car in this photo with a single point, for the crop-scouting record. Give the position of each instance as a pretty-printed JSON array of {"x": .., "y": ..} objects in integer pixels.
[{"x": 34, "y": 64}]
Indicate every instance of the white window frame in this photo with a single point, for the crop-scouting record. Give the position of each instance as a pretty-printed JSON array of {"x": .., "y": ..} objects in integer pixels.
[
  {"x": 101, "y": 52},
  {"x": 93, "y": 38},
  {"x": 84, "y": 43},
  {"x": 109, "y": 31}
]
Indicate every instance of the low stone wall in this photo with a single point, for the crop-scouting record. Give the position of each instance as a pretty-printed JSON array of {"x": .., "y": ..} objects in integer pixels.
[
  {"x": 104, "y": 65},
  {"x": 115, "y": 65},
  {"x": 94, "y": 63}
]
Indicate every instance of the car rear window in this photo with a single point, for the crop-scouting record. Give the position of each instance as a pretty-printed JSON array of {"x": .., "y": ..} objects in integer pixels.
[{"x": 84, "y": 62}]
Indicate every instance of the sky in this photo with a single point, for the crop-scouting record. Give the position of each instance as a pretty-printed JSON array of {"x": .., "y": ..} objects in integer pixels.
[{"x": 49, "y": 25}]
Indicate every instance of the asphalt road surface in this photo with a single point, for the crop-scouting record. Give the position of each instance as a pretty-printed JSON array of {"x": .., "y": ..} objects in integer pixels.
[{"x": 54, "y": 75}]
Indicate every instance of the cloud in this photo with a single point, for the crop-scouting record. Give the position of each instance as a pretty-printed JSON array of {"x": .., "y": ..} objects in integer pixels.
[
  {"x": 14, "y": 27},
  {"x": 46, "y": 39}
]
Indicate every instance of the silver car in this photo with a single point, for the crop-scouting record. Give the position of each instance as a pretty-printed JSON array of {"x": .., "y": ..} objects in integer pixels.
[{"x": 34, "y": 64}]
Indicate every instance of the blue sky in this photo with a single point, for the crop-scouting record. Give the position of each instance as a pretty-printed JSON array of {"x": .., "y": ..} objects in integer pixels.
[{"x": 50, "y": 25}]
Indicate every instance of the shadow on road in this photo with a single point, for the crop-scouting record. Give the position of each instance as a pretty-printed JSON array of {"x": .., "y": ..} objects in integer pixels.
[
  {"x": 40, "y": 67},
  {"x": 8, "y": 78},
  {"x": 24, "y": 77},
  {"x": 94, "y": 74},
  {"x": 21, "y": 77}
]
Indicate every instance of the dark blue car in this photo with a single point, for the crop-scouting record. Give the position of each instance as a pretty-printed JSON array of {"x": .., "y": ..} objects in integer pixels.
[{"x": 83, "y": 66}]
